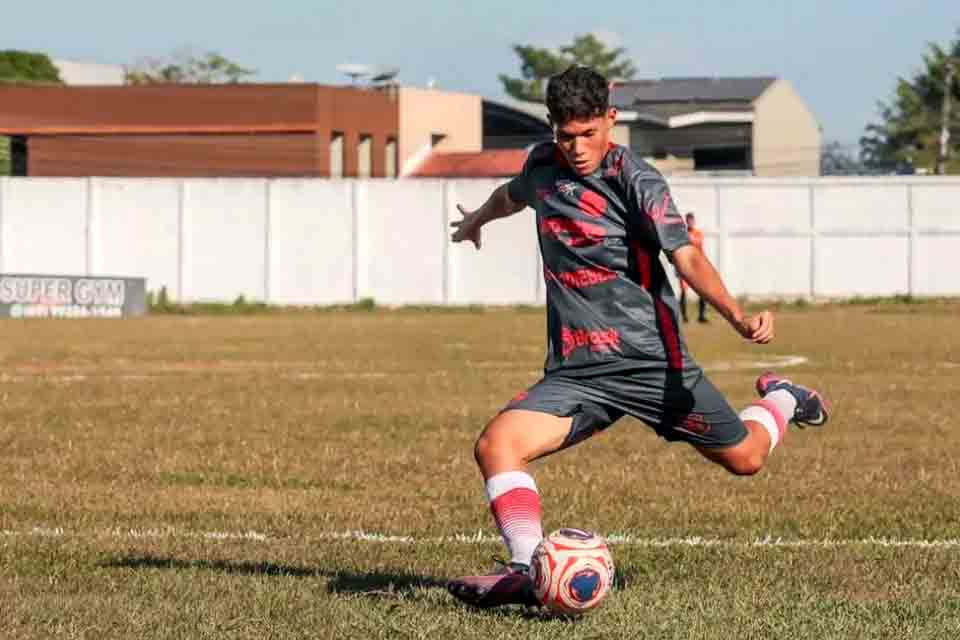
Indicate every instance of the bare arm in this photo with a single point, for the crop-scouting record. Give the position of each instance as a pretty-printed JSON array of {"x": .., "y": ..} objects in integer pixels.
[
  {"x": 498, "y": 205},
  {"x": 694, "y": 267}
]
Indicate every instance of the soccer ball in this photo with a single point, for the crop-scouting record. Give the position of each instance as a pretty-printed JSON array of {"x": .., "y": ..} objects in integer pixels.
[{"x": 572, "y": 571}]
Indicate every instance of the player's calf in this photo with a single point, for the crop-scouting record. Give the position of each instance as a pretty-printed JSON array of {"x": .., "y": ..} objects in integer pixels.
[{"x": 744, "y": 459}]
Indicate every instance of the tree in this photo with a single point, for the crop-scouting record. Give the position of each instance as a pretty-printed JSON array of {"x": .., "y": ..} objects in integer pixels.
[
  {"x": 538, "y": 64},
  {"x": 23, "y": 67},
  {"x": 837, "y": 160},
  {"x": 908, "y": 134},
  {"x": 185, "y": 68}
]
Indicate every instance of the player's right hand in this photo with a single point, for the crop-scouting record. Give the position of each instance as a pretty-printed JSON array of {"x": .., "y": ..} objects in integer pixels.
[
  {"x": 758, "y": 328},
  {"x": 467, "y": 228}
]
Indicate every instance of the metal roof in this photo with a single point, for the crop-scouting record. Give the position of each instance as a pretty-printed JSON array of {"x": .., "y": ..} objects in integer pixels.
[
  {"x": 638, "y": 92},
  {"x": 496, "y": 163}
]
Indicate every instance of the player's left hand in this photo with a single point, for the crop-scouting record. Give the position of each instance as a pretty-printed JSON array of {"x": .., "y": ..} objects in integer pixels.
[{"x": 758, "y": 328}]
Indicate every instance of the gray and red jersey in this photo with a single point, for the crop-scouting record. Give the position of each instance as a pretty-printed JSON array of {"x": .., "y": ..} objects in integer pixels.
[{"x": 610, "y": 306}]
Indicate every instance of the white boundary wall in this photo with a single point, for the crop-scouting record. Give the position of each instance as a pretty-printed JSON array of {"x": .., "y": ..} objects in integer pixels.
[{"x": 316, "y": 242}]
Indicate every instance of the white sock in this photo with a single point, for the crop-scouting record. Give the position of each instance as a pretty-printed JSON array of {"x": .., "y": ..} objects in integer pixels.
[
  {"x": 770, "y": 415},
  {"x": 784, "y": 401}
]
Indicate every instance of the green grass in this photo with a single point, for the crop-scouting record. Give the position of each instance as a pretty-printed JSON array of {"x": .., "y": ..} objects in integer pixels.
[
  {"x": 5, "y": 166},
  {"x": 180, "y": 477}
]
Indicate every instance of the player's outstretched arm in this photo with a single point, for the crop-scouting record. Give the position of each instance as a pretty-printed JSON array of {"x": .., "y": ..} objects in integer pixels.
[
  {"x": 498, "y": 205},
  {"x": 694, "y": 267}
]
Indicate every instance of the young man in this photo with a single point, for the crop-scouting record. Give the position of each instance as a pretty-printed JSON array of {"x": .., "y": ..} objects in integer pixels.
[
  {"x": 613, "y": 343},
  {"x": 696, "y": 239}
]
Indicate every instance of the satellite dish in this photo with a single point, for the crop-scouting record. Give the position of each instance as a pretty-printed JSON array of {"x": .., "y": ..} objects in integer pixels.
[
  {"x": 385, "y": 76},
  {"x": 355, "y": 71}
]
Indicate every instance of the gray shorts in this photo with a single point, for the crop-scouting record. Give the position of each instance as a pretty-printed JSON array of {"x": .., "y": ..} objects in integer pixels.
[{"x": 677, "y": 405}]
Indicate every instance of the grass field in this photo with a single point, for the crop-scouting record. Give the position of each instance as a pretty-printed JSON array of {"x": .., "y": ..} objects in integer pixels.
[{"x": 199, "y": 477}]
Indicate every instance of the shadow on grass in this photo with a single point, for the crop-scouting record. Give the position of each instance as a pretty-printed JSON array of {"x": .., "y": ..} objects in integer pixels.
[{"x": 374, "y": 583}]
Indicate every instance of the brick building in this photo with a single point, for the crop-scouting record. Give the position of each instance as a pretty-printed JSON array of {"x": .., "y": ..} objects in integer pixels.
[{"x": 273, "y": 130}]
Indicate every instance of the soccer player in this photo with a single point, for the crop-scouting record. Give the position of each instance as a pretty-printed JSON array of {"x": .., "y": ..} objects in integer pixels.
[
  {"x": 696, "y": 239},
  {"x": 613, "y": 341}
]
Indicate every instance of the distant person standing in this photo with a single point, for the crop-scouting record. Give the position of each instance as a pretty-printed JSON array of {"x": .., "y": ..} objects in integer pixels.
[{"x": 696, "y": 239}]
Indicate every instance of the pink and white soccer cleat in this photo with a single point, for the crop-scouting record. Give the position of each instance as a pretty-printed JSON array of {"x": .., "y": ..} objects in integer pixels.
[
  {"x": 812, "y": 410},
  {"x": 511, "y": 585}
]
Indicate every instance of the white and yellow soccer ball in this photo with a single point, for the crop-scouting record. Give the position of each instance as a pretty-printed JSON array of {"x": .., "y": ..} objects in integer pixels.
[{"x": 572, "y": 571}]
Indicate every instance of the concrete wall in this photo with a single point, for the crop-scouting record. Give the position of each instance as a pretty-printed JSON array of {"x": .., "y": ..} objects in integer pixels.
[
  {"x": 786, "y": 135},
  {"x": 316, "y": 241}
]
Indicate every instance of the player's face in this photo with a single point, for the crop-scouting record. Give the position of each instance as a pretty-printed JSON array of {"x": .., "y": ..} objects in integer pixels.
[{"x": 584, "y": 142}]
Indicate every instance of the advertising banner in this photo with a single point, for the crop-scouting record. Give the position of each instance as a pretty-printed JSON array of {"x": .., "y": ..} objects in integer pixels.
[{"x": 49, "y": 296}]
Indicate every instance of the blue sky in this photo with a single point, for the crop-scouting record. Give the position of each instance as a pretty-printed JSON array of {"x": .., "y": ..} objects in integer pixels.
[{"x": 842, "y": 56}]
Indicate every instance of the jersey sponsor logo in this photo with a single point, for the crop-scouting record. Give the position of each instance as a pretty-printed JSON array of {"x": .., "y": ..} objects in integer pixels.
[
  {"x": 582, "y": 278},
  {"x": 592, "y": 204},
  {"x": 572, "y": 233},
  {"x": 597, "y": 340}
]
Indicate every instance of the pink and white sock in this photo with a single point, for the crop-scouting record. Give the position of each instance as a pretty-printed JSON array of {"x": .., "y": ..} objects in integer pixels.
[
  {"x": 772, "y": 413},
  {"x": 515, "y": 504}
]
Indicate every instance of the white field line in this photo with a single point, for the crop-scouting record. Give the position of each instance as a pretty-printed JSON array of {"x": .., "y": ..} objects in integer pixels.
[
  {"x": 614, "y": 539},
  {"x": 776, "y": 362}
]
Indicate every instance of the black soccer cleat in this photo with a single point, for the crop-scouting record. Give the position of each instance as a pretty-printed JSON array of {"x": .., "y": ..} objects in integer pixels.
[{"x": 812, "y": 410}]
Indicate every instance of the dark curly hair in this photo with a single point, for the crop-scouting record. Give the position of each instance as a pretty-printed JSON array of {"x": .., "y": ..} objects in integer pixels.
[{"x": 577, "y": 93}]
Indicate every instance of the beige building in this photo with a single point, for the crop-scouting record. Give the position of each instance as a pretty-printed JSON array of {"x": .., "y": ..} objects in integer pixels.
[
  {"x": 432, "y": 121},
  {"x": 749, "y": 126}
]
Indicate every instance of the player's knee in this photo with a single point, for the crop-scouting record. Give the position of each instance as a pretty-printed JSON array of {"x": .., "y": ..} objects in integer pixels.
[
  {"x": 747, "y": 465},
  {"x": 484, "y": 449}
]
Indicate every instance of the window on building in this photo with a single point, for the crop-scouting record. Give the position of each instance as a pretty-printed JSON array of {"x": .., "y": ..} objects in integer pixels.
[
  {"x": 336, "y": 155},
  {"x": 365, "y": 156},
  {"x": 721, "y": 159},
  {"x": 391, "y": 153},
  {"x": 19, "y": 156}
]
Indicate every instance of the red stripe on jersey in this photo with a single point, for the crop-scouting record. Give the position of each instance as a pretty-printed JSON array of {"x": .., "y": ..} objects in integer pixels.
[
  {"x": 592, "y": 204},
  {"x": 667, "y": 324},
  {"x": 573, "y": 233},
  {"x": 669, "y": 333},
  {"x": 644, "y": 267}
]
